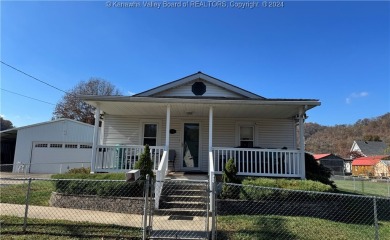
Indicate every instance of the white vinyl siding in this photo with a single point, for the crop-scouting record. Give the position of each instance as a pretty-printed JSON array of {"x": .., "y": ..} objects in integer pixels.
[
  {"x": 211, "y": 91},
  {"x": 50, "y": 135},
  {"x": 269, "y": 133}
]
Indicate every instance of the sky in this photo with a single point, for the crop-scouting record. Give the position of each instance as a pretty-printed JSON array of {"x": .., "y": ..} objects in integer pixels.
[{"x": 337, "y": 52}]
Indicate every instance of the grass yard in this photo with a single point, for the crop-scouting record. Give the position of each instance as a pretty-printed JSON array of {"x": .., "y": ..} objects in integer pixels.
[
  {"x": 39, "y": 193},
  {"x": 364, "y": 187},
  {"x": 12, "y": 228},
  {"x": 245, "y": 227}
]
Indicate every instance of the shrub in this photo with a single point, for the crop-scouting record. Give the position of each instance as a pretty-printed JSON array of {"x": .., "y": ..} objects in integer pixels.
[
  {"x": 317, "y": 172},
  {"x": 145, "y": 164},
  {"x": 259, "y": 188},
  {"x": 230, "y": 176},
  {"x": 86, "y": 185},
  {"x": 81, "y": 170}
]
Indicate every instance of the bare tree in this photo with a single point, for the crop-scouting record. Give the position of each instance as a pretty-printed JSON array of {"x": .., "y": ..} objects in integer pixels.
[
  {"x": 70, "y": 106},
  {"x": 5, "y": 124}
]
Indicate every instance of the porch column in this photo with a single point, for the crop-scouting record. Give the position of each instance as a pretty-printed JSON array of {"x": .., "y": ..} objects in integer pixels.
[
  {"x": 95, "y": 138},
  {"x": 168, "y": 126},
  {"x": 302, "y": 141},
  {"x": 211, "y": 113}
]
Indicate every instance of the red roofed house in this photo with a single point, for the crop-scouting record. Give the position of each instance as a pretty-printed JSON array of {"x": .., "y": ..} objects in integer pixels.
[
  {"x": 374, "y": 166},
  {"x": 331, "y": 161}
]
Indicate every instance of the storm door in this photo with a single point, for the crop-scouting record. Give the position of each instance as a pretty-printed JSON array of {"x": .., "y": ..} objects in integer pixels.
[{"x": 191, "y": 146}]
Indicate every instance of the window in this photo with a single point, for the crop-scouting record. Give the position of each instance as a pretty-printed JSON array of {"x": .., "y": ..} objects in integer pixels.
[
  {"x": 41, "y": 145},
  {"x": 246, "y": 136},
  {"x": 85, "y": 146},
  {"x": 150, "y": 134},
  {"x": 70, "y": 145},
  {"x": 55, "y": 145}
]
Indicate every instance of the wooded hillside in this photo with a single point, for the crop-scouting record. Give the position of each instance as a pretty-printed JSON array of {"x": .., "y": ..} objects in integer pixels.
[{"x": 338, "y": 139}]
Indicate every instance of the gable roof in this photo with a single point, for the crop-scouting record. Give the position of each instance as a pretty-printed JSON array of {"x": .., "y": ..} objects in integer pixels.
[
  {"x": 370, "y": 148},
  {"x": 199, "y": 76},
  {"x": 368, "y": 161}
]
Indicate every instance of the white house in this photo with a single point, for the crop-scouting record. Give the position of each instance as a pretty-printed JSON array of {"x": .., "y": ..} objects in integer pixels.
[
  {"x": 199, "y": 122},
  {"x": 50, "y": 147}
]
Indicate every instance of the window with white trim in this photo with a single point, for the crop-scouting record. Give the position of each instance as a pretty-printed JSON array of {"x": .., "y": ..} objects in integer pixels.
[
  {"x": 246, "y": 136},
  {"x": 150, "y": 134}
]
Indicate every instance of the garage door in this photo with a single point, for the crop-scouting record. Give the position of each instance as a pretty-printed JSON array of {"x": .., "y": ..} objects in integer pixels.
[{"x": 52, "y": 157}]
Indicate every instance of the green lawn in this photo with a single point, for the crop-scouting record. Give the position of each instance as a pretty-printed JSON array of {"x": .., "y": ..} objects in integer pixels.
[
  {"x": 244, "y": 227},
  {"x": 39, "y": 193},
  {"x": 12, "y": 228},
  {"x": 364, "y": 187}
]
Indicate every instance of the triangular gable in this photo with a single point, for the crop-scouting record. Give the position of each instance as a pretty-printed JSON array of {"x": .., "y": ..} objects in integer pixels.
[{"x": 199, "y": 85}]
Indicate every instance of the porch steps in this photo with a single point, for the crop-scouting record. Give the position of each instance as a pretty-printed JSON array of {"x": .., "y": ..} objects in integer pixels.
[{"x": 183, "y": 199}]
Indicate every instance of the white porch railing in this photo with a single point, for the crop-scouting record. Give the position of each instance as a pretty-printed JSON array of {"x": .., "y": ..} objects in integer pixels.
[
  {"x": 123, "y": 158},
  {"x": 160, "y": 178},
  {"x": 259, "y": 162}
]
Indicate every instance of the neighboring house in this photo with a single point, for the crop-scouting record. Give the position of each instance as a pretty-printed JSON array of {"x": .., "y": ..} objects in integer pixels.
[
  {"x": 48, "y": 147},
  {"x": 334, "y": 163},
  {"x": 374, "y": 166},
  {"x": 369, "y": 148},
  {"x": 204, "y": 122}
]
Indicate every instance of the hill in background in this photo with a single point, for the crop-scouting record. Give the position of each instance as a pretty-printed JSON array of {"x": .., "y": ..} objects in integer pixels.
[{"x": 338, "y": 139}]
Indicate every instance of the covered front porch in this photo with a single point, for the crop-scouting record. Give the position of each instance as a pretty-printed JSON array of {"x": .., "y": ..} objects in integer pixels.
[{"x": 202, "y": 136}]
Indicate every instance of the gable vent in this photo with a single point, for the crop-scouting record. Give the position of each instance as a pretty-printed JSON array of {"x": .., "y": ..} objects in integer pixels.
[{"x": 198, "y": 88}]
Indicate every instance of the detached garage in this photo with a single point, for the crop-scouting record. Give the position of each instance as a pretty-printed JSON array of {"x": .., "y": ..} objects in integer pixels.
[{"x": 49, "y": 147}]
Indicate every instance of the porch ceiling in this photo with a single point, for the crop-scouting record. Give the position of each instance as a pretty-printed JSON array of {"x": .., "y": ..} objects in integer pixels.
[{"x": 200, "y": 108}]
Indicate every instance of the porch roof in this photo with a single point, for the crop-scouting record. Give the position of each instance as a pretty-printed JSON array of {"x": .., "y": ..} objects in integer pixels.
[{"x": 199, "y": 107}]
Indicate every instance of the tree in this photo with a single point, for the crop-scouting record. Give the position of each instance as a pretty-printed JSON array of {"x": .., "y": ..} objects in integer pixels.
[
  {"x": 5, "y": 124},
  {"x": 317, "y": 172},
  {"x": 72, "y": 107},
  {"x": 230, "y": 176}
]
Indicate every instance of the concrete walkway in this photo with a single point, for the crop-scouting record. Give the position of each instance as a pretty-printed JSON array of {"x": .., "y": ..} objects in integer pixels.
[{"x": 122, "y": 219}]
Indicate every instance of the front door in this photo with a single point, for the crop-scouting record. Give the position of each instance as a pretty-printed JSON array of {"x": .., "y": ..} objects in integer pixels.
[{"x": 191, "y": 146}]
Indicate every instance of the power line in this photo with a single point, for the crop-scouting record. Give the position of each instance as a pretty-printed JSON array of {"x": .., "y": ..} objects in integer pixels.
[
  {"x": 33, "y": 77},
  {"x": 26, "y": 96}
]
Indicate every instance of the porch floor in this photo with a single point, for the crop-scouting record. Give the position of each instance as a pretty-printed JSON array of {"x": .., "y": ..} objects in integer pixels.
[{"x": 187, "y": 176}]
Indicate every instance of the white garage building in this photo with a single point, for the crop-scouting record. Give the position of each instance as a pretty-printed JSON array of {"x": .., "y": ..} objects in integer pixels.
[{"x": 50, "y": 147}]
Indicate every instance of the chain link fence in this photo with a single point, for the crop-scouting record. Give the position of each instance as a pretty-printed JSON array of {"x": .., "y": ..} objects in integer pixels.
[
  {"x": 380, "y": 187},
  {"x": 116, "y": 209},
  {"x": 251, "y": 212},
  {"x": 75, "y": 208}
]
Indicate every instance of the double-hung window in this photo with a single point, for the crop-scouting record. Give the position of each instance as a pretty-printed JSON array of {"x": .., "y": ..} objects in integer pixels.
[
  {"x": 150, "y": 134},
  {"x": 247, "y": 136}
]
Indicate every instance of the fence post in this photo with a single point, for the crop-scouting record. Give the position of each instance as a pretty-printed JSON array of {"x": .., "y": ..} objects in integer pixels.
[
  {"x": 27, "y": 202},
  {"x": 145, "y": 217},
  {"x": 214, "y": 210},
  {"x": 376, "y": 220}
]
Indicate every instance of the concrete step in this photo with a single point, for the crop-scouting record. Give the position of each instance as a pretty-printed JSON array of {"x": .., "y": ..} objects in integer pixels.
[
  {"x": 184, "y": 192},
  {"x": 181, "y": 198},
  {"x": 183, "y": 205},
  {"x": 181, "y": 212},
  {"x": 181, "y": 185}
]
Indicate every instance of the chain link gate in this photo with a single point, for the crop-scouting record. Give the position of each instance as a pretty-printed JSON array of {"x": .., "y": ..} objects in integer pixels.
[{"x": 179, "y": 210}]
